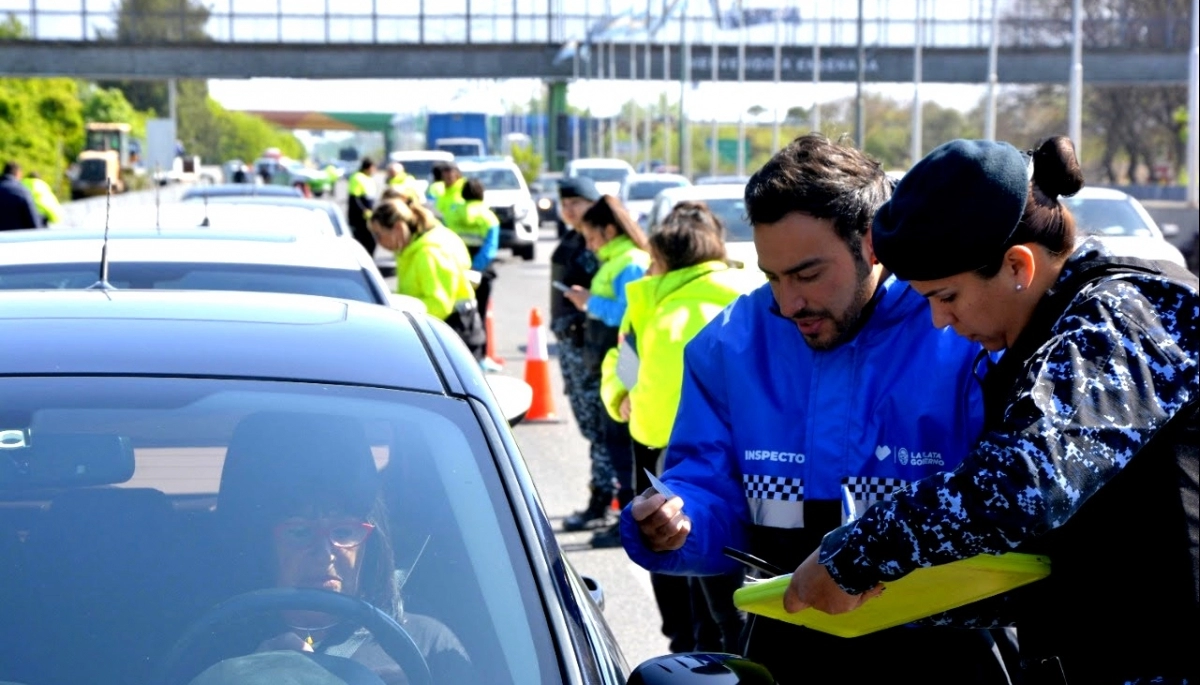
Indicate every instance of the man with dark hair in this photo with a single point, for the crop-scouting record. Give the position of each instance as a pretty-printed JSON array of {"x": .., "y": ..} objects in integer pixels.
[
  {"x": 804, "y": 402},
  {"x": 17, "y": 208}
]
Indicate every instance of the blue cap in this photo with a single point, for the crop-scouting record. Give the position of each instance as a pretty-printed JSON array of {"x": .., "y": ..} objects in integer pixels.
[
  {"x": 578, "y": 186},
  {"x": 954, "y": 211}
]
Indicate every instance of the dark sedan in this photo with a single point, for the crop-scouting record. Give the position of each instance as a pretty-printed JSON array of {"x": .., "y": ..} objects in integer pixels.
[{"x": 195, "y": 489}]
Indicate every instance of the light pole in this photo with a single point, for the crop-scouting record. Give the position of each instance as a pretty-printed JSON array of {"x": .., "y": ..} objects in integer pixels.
[
  {"x": 1193, "y": 141},
  {"x": 1075, "y": 111},
  {"x": 741, "y": 136},
  {"x": 859, "y": 124},
  {"x": 816, "y": 58},
  {"x": 989, "y": 128},
  {"x": 778, "y": 74},
  {"x": 917, "y": 124},
  {"x": 685, "y": 78}
]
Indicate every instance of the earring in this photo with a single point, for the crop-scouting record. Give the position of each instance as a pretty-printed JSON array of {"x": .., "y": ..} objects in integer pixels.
[{"x": 1019, "y": 287}]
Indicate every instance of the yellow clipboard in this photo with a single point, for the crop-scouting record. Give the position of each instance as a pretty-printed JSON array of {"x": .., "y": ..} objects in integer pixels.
[{"x": 920, "y": 594}]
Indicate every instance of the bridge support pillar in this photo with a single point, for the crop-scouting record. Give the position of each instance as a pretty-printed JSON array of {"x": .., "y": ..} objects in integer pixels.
[{"x": 557, "y": 149}]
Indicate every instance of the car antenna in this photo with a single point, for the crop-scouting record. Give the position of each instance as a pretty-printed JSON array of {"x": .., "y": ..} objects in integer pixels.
[
  {"x": 157, "y": 205},
  {"x": 205, "y": 223},
  {"x": 103, "y": 283}
]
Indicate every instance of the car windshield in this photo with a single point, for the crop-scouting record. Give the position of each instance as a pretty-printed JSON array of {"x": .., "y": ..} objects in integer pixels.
[
  {"x": 131, "y": 506},
  {"x": 648, "y": 190},
  {"x": 496, "y": 179},
  {"x": 602, "y": 174},
  {"x": 346, "y": 284},
  {"x": 1106, "y": 217},
  {"x": 732, "y": 212},
  {"x": 421, "y": 169}
]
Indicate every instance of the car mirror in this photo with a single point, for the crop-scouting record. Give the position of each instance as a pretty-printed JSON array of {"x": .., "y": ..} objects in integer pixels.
[
  {"x": 1169, "y": 230},
  {"x": 595, "y": 590},
  {"x": 700, "y": 668},
  {"x": 33, "y": 459},
  {"x": 514, "y": 396},
  {"x": 535, "y": 188}
]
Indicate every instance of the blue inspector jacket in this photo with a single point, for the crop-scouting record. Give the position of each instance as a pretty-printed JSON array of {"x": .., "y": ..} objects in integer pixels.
[{"x": 770, "y": 433}]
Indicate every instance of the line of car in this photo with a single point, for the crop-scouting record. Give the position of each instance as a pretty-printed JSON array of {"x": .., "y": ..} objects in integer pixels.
[{"x": 129, "y": 363}]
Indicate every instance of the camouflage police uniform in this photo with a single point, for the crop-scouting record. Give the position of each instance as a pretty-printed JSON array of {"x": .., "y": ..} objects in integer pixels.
[
  {"x": 573, "y": 264},
  {"x": 1089, "y": 456}
]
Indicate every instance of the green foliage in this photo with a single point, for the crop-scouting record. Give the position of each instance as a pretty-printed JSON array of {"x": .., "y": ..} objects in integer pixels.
[
  {"x": 110, "y": 105},
  {"x": 528, "y": 160},
  {"x": 245, "y": 136},
  {"x": 12, "y": 28},
  {"x": 41, "y": 122}
]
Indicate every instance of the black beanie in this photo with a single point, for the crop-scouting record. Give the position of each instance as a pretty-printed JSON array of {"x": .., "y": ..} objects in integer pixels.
[
  {"x": 578, "y": 186},
  {"x": 953, "y": 211}
]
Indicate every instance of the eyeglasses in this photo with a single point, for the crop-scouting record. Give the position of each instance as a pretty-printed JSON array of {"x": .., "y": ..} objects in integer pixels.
[{"x": 303, "y": 534}]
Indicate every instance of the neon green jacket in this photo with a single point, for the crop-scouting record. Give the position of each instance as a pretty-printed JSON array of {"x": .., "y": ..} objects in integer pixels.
[
  {"x": 361, "y": 185},
  {"x": 406, "y": 184},
  {"x": 665, "y": 312},
  {"x": 450, "y": 205},
  {"x": 621, "y": 262},
  {"x": 44, "y": 199},
  {"x": 433, "y": 269}
]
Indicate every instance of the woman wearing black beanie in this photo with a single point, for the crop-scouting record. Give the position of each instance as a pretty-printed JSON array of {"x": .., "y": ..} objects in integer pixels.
[{"x": 1091, "y": 439}]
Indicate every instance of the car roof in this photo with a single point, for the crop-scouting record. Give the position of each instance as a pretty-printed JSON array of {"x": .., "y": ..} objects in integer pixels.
[
  {"x": 712, "y": 191},
  {"x": 435, "y": 155},
  {"x": 1095, "y": 193},
  {"x": 209, "y": 333},
  {"x": 657, "y": 178},
  {"x": 241, "y": 190},
  {"x": 229, "y": 214},
  {"x": 600, "y": 162},
  {"x": 268, "y": 247}
]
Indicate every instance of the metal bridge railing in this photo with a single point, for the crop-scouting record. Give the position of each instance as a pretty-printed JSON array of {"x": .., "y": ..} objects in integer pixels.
[{"x": 339, "y": 24}]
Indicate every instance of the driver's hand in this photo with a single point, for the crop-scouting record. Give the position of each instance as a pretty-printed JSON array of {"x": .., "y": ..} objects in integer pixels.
[{"x": 286, "y": 641}]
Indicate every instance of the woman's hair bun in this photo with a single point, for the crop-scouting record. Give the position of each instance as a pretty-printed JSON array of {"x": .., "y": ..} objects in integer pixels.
[{"x": 1056, "y": 168}]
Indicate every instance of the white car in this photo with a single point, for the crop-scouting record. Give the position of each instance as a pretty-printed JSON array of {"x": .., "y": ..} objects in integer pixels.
[
  {"x": 506, "y": 193},
  {"x": 419, "y": 164},
  {"x": 639, "y": 191},
  {"x": 609, "y": 174},
  {"x": 1120, "y": 222},
  {"x": 266, "y": 260},
  {"x": 727, "y": 201}
]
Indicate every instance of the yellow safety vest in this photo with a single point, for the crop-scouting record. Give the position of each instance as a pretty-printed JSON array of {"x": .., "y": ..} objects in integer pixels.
[{"x": 664, "y": 313}]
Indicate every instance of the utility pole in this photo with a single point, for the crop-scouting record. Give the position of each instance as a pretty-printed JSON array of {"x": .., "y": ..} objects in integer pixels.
[
  {"x": 1075, "y": 112},
  {"x": 716, "y": 58},
  {"x": 989, "y": 127},
  {"x": 917, "y": 124},
  {"x": 816, "y": 58},
  {"x": 616, "y": 120},
  {"x": 633, "y": 117},
  {"x": 685, "y": 84},
  {"x": 778, "y": 75},
  {"x": 666, "y": 112},
  {"x": 648, "y": 147},
  {"x": 860, "y": 130},
  {"x": 741, "y": 135},
  {"x": 1193, "y": 141}
]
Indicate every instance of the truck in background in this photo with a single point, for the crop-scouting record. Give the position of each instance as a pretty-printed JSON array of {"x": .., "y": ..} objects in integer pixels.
[{"x": 462, "y": 134}]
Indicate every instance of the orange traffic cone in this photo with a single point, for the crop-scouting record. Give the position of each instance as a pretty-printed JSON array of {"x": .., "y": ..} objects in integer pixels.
[
  {"x": 537, "y": 371},
  {"x": 488, "y": 321}
]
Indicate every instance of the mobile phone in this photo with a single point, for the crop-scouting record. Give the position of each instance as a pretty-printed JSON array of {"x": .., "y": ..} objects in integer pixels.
[
  {"x": 754, "y": 562},
  {"x": 559, "y": 285}
]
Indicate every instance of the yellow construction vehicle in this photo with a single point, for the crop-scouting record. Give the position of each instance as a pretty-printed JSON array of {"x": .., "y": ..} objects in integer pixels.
[{"x": 108, "y": 154}]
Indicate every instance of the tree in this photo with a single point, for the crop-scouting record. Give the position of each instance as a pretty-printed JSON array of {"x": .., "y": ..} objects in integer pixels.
[
  {"x": 796, "y": 116},
  {"x": 1134, "y": 123},
  {"x": 158, "y": 21}
]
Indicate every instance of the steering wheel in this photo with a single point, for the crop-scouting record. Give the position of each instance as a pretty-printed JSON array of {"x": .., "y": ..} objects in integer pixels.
[{"x": 391, "y": 636}]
